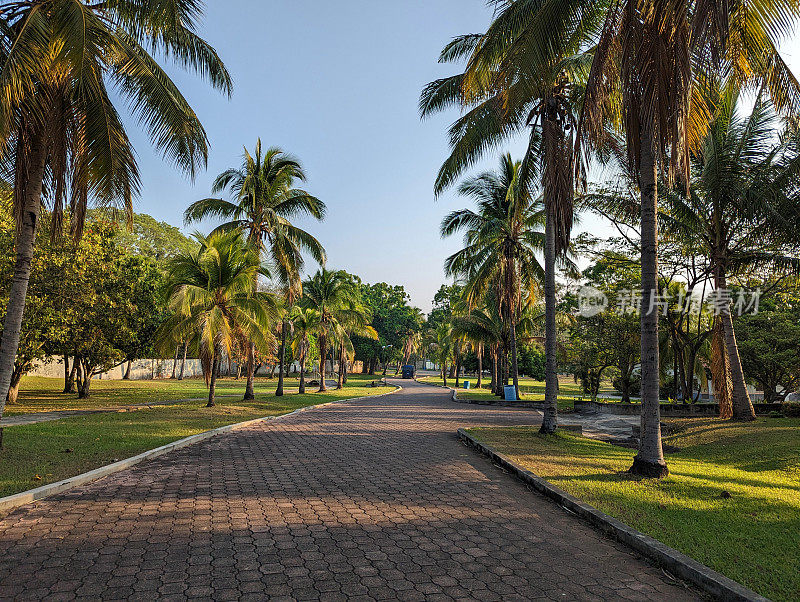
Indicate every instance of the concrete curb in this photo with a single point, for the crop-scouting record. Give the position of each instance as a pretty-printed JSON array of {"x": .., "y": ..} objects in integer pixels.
[
  {"x": 680, "y": 565},
  {"x": 23, "y": 498}
]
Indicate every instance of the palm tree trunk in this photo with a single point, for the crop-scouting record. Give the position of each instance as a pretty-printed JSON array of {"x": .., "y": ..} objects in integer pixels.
[
  {"x": 281, "y": 359},
  {"x": 175, "y": 362},
  {"x": 649, "y": 461},
  {"x": 721, "y": 370},
  {"x": 457, "y": 364},
  {"x": 342, "y": 368},
  {"x": 249, "y": 390},
  {"x": 550, "y": 419},
  {"x": 742, "y": 406},
  {"x": 493, "y": 386},
  {"x": 302, "y": 388},
  {"x": 479, "y": 383},
  {"x": 212, "y": 387},
  {"x": 323, "y": 358},
  {"x": 183, "y": 361},
  {"x": 26, "y": 235}
]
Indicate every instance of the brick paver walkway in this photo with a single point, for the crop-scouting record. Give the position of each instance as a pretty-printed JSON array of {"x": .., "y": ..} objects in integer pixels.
[{"x": 366, "y": 499}]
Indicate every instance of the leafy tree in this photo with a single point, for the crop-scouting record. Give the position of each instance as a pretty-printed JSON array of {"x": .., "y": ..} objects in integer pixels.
[
  {"x": 60, "y": 134},
  {"x": 147, "y": 237},
  {"x": 768, "y": 344},
  {"x": 264, "y": 201},
  {"x": 214, "y": 303}
]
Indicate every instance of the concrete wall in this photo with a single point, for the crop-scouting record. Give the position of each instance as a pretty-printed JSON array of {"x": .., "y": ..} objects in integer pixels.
[{"x": 140, "y": 369}]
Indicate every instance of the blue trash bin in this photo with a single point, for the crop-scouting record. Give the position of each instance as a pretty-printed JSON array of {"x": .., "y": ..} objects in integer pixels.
[
  {"x": 510, "y": 393},
  {"x": 466, "y": 384}
]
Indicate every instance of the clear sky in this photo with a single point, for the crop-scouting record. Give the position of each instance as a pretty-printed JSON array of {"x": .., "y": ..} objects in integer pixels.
[{"x": 336, "y": 84}]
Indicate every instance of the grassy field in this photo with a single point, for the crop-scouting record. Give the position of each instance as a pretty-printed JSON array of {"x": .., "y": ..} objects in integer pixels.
[
  {"x": 532, "y": 390},
  {"x": 732, "y": 500},
  {"x": 37, "y": 454}
]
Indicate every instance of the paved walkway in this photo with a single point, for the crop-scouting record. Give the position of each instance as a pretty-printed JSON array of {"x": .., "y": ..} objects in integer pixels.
[{"x": 370, "y": 499}]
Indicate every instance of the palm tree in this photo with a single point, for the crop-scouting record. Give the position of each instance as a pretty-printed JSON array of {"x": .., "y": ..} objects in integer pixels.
[
  {"x": 61, "y": 138},
  {"x": 213, "y": 301},
  {"x": 306, "y": 323},
  {"x": 412, "y": 337},
  {"x": 501, "y": 241},
  {"x": 510, "y": 84},
  {"x": 440, "y": 344},
  {"x": 651, "y": 55},
  {"x": 742, "y": 179},
  {"x": 331, "y": 294},
  {"x": 264, "y": 201}
]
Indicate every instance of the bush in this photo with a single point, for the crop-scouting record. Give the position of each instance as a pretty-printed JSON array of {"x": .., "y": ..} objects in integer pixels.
[{"x": 791, "y": 409}]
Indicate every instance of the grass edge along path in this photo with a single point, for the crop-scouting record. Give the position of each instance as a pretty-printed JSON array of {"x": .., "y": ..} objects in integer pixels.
[
  {"x": 731, "y": 502},
  {"x": 47, "y": 452}
]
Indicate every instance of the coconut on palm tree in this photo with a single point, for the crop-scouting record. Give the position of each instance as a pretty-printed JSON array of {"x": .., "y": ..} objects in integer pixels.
[
  {"x": 214, "y": 303},
  {"x": 61, "y": 137},
  {"x": 264, "y": 201}
]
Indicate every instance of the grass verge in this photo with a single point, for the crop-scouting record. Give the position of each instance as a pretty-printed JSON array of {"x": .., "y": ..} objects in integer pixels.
[
  {"x": 732, "y": 500},
  {"x": 46, "y": 452}
]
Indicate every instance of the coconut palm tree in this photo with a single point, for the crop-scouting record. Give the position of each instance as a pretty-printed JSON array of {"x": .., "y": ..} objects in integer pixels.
[
  {"x": 264, "y": 201},
  {"x": 501, "y": 242},
  {"x": 440, "y": 344},
  {"x": 508, "y": 86},
  {"x": 743, "y": 180},
  {"x": 62, "y": 140},
  {"x": 306, "y": 323},
  {"x": 331, "y": 294},
  {"x": 213, "y": 301}
]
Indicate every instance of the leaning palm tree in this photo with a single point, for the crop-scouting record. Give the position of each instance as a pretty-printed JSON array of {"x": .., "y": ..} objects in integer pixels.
[
  {"x": 743, "y": 180},
  {"x": 62, "y": 141},
  {"x": 501, "y": 242},
  {"x": 213, "y": 301},
  {"x": 264, "y": 203},
  {"x": 330, "y": 294}
]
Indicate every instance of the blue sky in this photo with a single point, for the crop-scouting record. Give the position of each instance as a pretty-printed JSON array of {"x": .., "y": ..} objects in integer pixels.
[{"x": 337, "y": 84}]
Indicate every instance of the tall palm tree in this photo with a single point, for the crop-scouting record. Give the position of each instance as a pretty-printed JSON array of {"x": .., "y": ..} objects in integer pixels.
[
  {"x": 264, "y": 201},
  {"x": 742, "y": 179},
  {"x": 306, "y": 323},
  {"x": 213, "y": 301},
  {"x": 331, "y": 295},
  {"x": 501, "y": 242},
  {"x": 440, "y": 343},
  {"x": 510, "y": 85},
  {"x": 62, "y": 141}
]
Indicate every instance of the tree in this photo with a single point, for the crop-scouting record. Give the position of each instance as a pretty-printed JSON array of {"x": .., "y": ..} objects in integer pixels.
[
  {"x": 60, "y": 133},
  {"x": 306, "y": 323},
  {"x": 742, "y": 183},
  {"x": 508, "y": 85},
  {"x": 441, "y": 346},
  {"x": 150, "y": 238},
  {"x": 768, "y": 344},
  {"x": 214, "y": 303},
  {"x": 501, "y": 241},
  {"x": 648, "y": 54},
  {"x": 264, "y": 201},
  {"x": 330, "y": 294}
]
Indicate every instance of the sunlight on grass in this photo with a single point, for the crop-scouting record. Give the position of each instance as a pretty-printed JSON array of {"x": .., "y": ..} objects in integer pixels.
[
  {"x": 36, "y": 454},
  {"x": 732, "y": 500}
]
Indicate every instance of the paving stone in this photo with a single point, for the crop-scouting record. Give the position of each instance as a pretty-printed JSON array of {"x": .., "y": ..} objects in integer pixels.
[{"x": 365, "y": 500}]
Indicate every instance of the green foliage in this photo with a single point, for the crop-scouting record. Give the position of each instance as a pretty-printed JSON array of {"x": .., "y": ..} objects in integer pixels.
[
  {"x": 531, "y": 361},
  {"x": 791, "y": 409},
  {"x": 150, "y": 238}
]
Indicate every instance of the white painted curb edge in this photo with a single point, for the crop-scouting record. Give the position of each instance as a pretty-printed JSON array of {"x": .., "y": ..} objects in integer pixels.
[{"x": 11, "y": 502}]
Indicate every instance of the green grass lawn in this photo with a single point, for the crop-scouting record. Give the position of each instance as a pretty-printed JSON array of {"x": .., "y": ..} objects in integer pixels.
[
  {"x": 36, "y": 454},
  {"x": 751, "y": 535},
  {"x": 532, "y": 390}
]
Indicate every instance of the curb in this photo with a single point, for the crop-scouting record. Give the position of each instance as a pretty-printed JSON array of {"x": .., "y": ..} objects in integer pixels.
[
  {"x": 23, "y": 498},
  {"x": 679, "y": 564}
]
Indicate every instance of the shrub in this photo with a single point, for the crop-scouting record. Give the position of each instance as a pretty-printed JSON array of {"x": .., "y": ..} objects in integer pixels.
[{"x": 791, "y": 409}]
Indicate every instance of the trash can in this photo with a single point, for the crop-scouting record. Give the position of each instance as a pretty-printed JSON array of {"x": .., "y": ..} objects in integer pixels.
[
  {"x": 510, "y": 393},
  {"x": 466, "y": 384}
]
